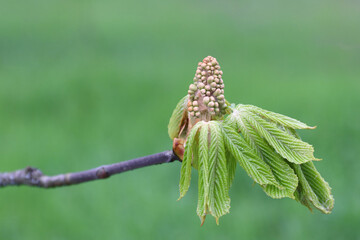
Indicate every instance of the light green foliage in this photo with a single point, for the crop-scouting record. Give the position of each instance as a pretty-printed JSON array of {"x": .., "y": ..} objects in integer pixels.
[
  {"x": 176, "y": 117},
  {"x": 276, "y": 117},
  {"x": 213, "y": 168},
  {"x": 186, "y": 164},
  {"x": 283, "y": 173},
  {"x": 256, "y": 168},
  {"x": 203, "y": 202},
  {"x": 313, "y": 188},
  {"x": 286, "y": 145},
  {"x": 266, "y": 146},
  {"x": 218, "y": 178}
]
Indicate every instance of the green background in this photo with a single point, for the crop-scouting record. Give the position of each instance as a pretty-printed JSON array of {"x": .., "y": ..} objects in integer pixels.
[{"x": 86, "y": 83}]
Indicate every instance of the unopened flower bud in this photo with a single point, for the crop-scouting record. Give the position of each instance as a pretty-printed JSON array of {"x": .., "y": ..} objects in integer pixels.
[
  {"x": 206, "y": 100},
  {"x": 207, "y": 90},
  {"x": 192, "y": 87},
  {"x": 217, "y": 92}
]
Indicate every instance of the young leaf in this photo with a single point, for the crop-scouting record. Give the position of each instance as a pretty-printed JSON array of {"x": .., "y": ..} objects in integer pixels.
[
  {"x": 177, "y": 116},
  {"x": 195, "y": 148},
  {"x": 289, "y": 147},
  {"x": 283, "y": 173},
  {"x": 256, "y": 168},
  {"x": 231, "y": 167},
  {"x": 277, "y": 118},
  {"x": 218, "y": 180},
  {"x": 203, "y": 180},
  {"x": 313, "y": 188},
  {"x": 185, "y": 172}
]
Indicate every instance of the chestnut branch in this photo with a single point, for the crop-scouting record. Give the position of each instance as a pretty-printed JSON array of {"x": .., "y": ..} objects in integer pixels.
[{"x": 34, "y": 177}]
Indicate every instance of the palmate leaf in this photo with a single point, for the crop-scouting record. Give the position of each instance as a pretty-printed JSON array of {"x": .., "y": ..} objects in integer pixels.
[
  {"x": 176, "y": 117},
  {"x": 248, "y": 159},
  {"x": 268, "y": 151},
  {"x": 283, "y": 173},
  {"x": 289, "y": 147}
]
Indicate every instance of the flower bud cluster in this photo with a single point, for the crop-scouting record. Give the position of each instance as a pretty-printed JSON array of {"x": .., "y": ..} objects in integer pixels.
[{"x": 206, "y": 94}]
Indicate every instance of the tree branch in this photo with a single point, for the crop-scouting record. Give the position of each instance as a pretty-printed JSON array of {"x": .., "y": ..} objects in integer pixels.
[{"x": 34, "y": 177}]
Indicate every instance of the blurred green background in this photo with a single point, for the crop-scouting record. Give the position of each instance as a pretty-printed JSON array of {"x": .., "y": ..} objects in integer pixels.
[{"x": 86, "y": 83}]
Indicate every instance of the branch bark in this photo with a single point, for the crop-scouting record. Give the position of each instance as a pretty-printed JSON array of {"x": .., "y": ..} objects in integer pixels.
[{"x": 34, "y": 177}]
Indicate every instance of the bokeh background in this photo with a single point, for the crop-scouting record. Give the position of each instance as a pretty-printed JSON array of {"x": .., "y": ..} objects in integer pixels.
[{"x": 86, "y": 83}]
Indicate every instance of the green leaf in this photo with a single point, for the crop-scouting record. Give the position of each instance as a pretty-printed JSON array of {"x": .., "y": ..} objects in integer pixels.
[
  {"x": 313, "y": 188},
  {"x": 277, "y": 118},
  {"x": 176, "y": 117},
  {"x": 248, "y": 159},
  {"x": 203, "y": 180},
  {"x": 231, "y": 167},
  {"x": 289, "y": 147},
  {"x": 195, "y": 148},
  {"x": 185, "y": 172},
  {"x": 218, "y": 180},
  {"x": 283, "y": 173}
]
